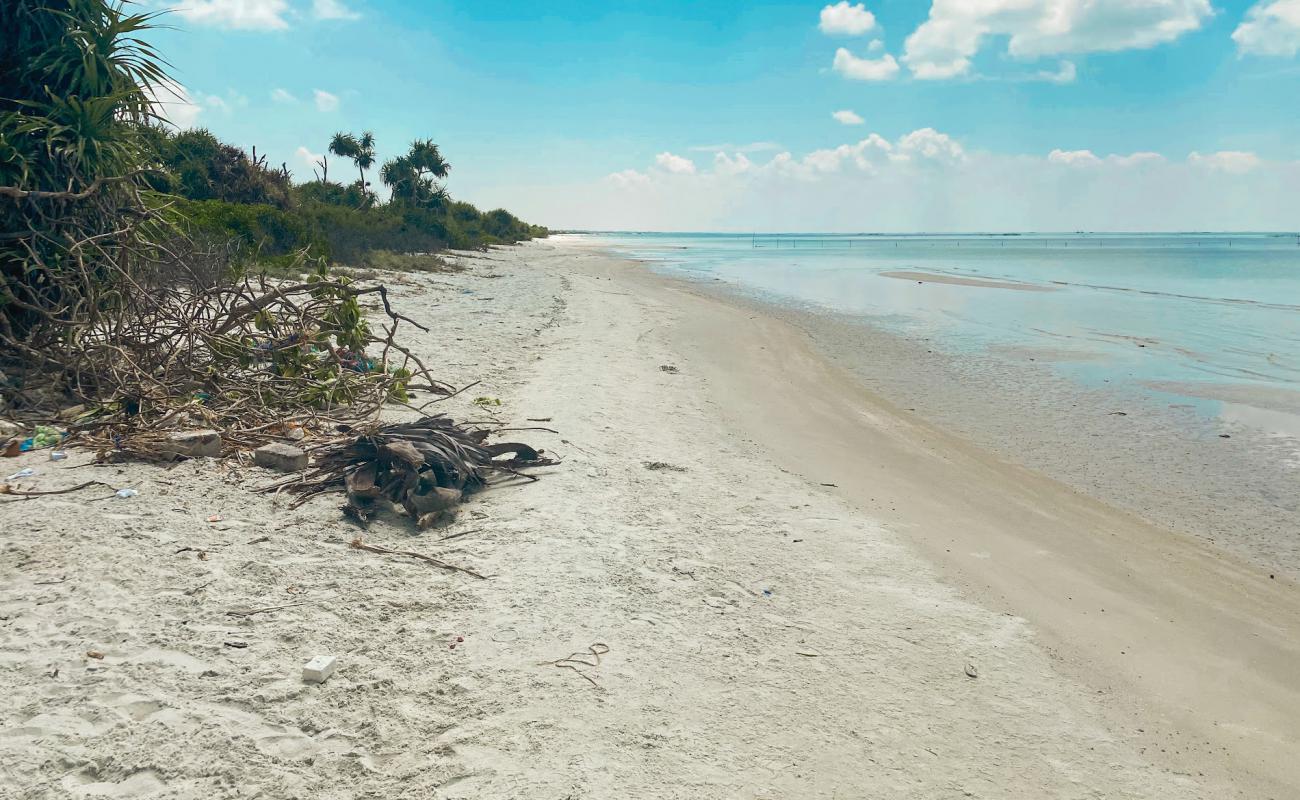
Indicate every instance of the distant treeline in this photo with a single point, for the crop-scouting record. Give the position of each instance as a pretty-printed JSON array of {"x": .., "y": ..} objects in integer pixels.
[{"x": 221, "y": 191}]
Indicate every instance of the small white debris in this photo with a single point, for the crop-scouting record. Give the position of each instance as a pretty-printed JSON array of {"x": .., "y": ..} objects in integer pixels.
[
  {"x": 57, "y": 455},
  {"x": 125, "y": 493},
  {"x": 319, "y": 669},
  {"x": 25, "y": 472}
]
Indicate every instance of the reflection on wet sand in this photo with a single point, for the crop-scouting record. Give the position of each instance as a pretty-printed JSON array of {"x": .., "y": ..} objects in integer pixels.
[{"x": 955, "y": 280}]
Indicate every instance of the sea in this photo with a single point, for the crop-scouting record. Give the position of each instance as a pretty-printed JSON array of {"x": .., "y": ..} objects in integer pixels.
[{"x": 1196, "y": 333}]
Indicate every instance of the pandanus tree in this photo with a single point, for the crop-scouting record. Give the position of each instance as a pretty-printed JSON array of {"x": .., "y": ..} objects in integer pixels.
[
  {"x": 360, "y": 150},
  {"x": 413, "y": 178},
  {"x": 76, "y": 90}
]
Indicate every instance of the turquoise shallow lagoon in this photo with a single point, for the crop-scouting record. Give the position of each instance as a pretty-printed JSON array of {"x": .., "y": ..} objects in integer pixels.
[
  {"x": 1210, "y": 320},
  {"x": 1157, "y": 373}
]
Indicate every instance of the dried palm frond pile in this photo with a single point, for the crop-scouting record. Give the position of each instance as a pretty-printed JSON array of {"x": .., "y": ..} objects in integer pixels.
[{"x": 426, "y": 467}]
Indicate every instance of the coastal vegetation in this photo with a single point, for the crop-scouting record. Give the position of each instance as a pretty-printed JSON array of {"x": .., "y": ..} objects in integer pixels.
[{"x": 153, "y": 279}]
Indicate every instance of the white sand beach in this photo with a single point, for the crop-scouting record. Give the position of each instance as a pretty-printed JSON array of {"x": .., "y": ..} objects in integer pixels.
[{"x": 795, "y": 588}]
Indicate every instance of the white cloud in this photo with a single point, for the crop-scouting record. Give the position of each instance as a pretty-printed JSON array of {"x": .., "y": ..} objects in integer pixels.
[
  {"x": 847, "y": 117},
  {"x": 864, "y": 69},
  {"x": 1087, "y": 158},
  {"x": 865, "y": 155},
  {"x": 1271, "y": 28},
  {"x": 1074, "y": 158},
  {"x": 876, "y": 46},
  {"x": 929, "y": 144},
  {"x": 1235, "y": 162},
  {"x": 283, "y": 96},
  {"x": 332, "y": 9},
  {"x": 725, "y": 165},
  {"x": 942, "y": 47},
  {"x": 325, "y": 101},
  {"x": 1066, "y": 73},
  {"x": 679, "y": 165},
  {"x": 215, "y": 103},
  {"x": 628, "y": 177},
  {"x": 174, "y": 103},
  {"x": 928, "y": 181},
  {"x": 846, "y": 20},
  {"x": 1136, "y": 159},
  {"x": 920, "y": 147},
  {"x": 238, "y": 14},
  {"x": 306, "y": 156}
]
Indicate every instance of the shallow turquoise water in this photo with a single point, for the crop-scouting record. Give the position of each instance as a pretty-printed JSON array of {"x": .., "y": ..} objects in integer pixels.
[{"x": 1209, "y": 320}]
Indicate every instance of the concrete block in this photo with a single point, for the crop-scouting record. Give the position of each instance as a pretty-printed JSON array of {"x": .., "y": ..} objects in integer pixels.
[
  {"x": 192, "y": 444},
  {"x": 281, "y": 457}
]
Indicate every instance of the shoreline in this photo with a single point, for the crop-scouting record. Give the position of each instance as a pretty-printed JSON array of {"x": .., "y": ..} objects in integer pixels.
[
  {"x": 1155, "y": 456},
  {"x": 766, "y": 636},
  {"x": 1144, "y": 615}
]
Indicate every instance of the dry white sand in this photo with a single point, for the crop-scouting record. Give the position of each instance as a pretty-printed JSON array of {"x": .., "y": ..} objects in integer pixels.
[{"x": 767, "y": 637}]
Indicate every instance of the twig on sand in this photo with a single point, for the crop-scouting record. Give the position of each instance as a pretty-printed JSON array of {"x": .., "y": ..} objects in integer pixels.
[
  {"x": 19, "y": 493},
  {"x": 253, "y": 611},
  {"x": 580, "y": 659},
  {"x": 360, "y": 545},
  {"x": 459, "y": 534}
]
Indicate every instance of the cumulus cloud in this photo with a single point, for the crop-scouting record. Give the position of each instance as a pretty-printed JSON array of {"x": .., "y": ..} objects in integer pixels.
[
  {"x": 332, "y": 9},
  {"x": 325, "y": 101},
  {"x": 930, "y": 145},
  {"x": 943, "y": 46},
  {"x": 283, "y": 96},
  {"x": 927, "y": 180},
  {"x": 174, "y": 103},
  {"x": 1074, "y": 158},
  {"x": 1235, "y": 162},
  {"x": 1271, "y": 28},
  {"x": 726, "y": 165},
  {"x": 628, "y": 177},
  {"x": 306, "y": 156},
  {"x": 845, "y": 20},
  {"x": 679, "y": 165},
  {"x": 847, "y": 117},
  {"x": 236, "y": 14},
  {"x": 1087, "y": 158},
  {"x": 864, "y": 69},
  {"x": 864, "y": 155}
]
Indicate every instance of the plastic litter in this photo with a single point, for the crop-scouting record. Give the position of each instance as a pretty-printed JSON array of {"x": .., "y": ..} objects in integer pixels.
[
  {"x": 43, "y": 436},
  {"x": 127, "y": 493},
  {"x": 25, "y": 472},
  {"x": 57, "y": 455}
]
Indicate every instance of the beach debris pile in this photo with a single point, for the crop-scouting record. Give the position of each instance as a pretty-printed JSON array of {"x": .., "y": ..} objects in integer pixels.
[
  {"x": 180, "y": 371},
  {"x": 426, "y": 467},
  {"x": 295, "y": 370}
]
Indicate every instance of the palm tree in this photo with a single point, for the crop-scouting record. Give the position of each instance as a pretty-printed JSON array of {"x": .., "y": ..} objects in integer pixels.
[
  {"x": 361, "y": 151},
  {"x": 412, "y": 176}
]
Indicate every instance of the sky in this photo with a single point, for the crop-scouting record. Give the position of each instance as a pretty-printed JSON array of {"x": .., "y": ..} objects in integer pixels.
[{"x": 883, "y": 115}]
